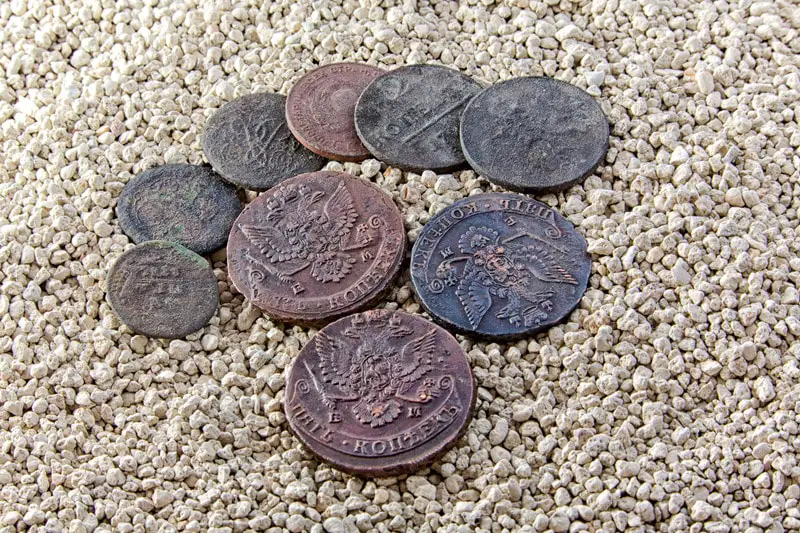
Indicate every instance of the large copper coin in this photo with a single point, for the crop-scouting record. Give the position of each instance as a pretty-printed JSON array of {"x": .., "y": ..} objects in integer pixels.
[
  {"x": 320, "y": 106},
  {"x": 500, "y": 266},
  {"x": 248, "y": 142},
  {"x": 316, "y": 247},
  {"x": 380, "y": 393},
  {"x": 161, "y": 289}
]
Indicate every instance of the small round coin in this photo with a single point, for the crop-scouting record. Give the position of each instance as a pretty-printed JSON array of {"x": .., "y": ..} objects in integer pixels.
[
  {"x": 408, "y": 117},
  {"x": 161, "y": 289},
  {"x": 248, "y": 142},
  {"x": 320, "y": 106},
  {"x": 534, "y": 134},
  {"x": 186, "y": 204},
  {"x": 380, "y": 393},
  {"x": 316, "y": 247},
  {"x": 499, "y": 265}
]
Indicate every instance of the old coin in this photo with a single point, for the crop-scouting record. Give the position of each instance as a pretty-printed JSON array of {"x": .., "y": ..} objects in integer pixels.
[
  {"x": 187, "y": 204},
  {"x": 500, "y": 266},
  {"x": 534, "y": 134},
  {"x": 409, "y": 117},
  {"x": 380, "y": 393},
  {"x": 316, "y": 247},
  {"x": 161, "y": 289},
  {"x": 320, "y": 106},
  {"x": 248, "y": 142}
]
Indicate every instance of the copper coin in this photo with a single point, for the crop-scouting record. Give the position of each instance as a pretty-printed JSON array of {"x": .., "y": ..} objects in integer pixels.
[
  {"x": 248, "y": 142},
  {"x": 320, "y": 106},
  {"x": 499, "y": 265},
  {"x": 380, "y": 393},
  {"x": 161, "y": 289},
  {"x": 316, "y": 247}
]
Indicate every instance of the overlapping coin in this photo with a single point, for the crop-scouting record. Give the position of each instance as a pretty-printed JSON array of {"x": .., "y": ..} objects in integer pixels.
[
  {"x": 316, "y": 247},
  {"x": 380, "y": 393},
  {"x": 499, "y": 265}
]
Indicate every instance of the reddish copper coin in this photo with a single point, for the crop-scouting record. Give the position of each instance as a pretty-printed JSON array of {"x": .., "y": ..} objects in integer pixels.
[
  {"x": 320, "y": 107},
  {"x": 380, "y": 393},
  {"x": 316, "y": 247}
]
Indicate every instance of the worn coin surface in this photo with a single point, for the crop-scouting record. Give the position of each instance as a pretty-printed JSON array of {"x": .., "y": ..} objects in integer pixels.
[
  {"x": 499, "y": 265},
  {"x": 409, "y": 117},
  {"x": 320, "y": 106},
  {"x": 161, "y": 289},
  {"x": 187, "y": 204},
  {"x": 534, "y": 134},
  {"x": 248, "y": 142},
  {"x": 380, "y": 393},
  {"x": 316, "y": 247}
]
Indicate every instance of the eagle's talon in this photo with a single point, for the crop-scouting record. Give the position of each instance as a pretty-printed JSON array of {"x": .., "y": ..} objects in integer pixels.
[{"x": 547, "y": 305}]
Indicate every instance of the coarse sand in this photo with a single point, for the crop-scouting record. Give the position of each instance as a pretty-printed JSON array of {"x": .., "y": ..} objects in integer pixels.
[{"x": 668, "y": 401}]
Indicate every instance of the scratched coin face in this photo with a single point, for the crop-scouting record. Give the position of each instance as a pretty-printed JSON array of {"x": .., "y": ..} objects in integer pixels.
[
  {"x": 187, "y": 204},
  {"x": 409, "y": 117},
  {"x": 499, "y": 266},
  {"x": 248, "y": 142},
  {"x": 534, "y": 134},
  {"x": 320, "y": 106},
  {"x": 316, "y": 247},
  {"x": 161, "y": 289},
  {"x": 380, "y": 393}
]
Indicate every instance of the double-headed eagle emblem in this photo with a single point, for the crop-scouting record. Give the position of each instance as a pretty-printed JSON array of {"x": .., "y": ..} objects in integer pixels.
[{"x": 507, "y": 269}]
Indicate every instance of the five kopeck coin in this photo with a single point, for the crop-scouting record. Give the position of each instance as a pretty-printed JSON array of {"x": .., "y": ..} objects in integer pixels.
[
  {"x": 162, "y": 289},
  {"x": 248, "y": 142},
  {"x": 380, "y": 393},
  {"x": 499, "y": 265},
  {"x": 534, "y": 134},
  {"x": 316, "y": 247},
  {"x": 320, "y": 106}
]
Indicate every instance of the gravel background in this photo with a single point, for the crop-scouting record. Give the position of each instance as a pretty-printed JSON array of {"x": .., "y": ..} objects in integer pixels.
[{"x": 668, "y": 402}]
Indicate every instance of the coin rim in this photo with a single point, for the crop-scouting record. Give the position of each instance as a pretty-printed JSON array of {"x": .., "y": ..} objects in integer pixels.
[
  {"x": 474, "y": 333},
  {"x": 407, "y": 467},
  {"x": 517, "y": 187}
]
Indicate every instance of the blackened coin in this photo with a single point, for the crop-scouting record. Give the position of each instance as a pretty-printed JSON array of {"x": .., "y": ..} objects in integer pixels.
[
  {"x": 380, "y": 393},
  {"x": 161, "y": 289},
  {"x": 316, "y": 247},
  {"x": 320, "y": 106},
  {"x": 534, "y": 134},
  {"x": 186, "y": 204},
  {"x": 499, "y": 266},
  {"x": 248, "y": 142},
  {"x": 409, "y": 117}
]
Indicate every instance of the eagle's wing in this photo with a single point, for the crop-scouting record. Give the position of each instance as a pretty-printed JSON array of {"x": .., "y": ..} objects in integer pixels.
[
  {"x": 416, "y": 359},
  {"x": 270, "y": 241},
  {"x": 541, "y": 264},
  {"x": 339, "y": 210},
  {"x": 474, "y": 296},
  {"x": 334, "y": 360}
]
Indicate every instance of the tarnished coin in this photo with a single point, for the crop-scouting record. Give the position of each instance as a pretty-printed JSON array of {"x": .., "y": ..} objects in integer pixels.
[
  {"x": 534, "y": 134},
  {"x": 380, "y": 393},
  {"x": 161, "y": 289},
  {"x": 409, "y": 117},
  {"x": 320, "y": 106},
  {"x": 316, "y": 247},
  {"x": 499, "y": 266},
  {"x": 187, "y": 204},
  {"x": 248, "y": 142}
]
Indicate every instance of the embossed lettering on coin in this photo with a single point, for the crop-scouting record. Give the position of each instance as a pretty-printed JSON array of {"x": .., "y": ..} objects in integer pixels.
[
  {"x": 161, "y": 289},
  {"x": 409, "y": 117},
  {"x": 379, "y": 393},
  {"x": 248, "y": 142},
  {"x": 320, "y": 106},
  {"x": 187, "y": 204},
  {"x": 499, "y": 265},
  {"x": 534, "y": 134},
  {"x": 317, "y": 246}
]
